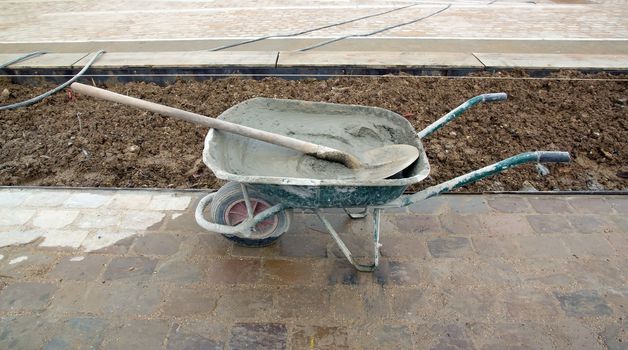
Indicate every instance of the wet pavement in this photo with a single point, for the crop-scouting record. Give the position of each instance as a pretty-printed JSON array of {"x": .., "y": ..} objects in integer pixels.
[{"x": 117, "y": 269}]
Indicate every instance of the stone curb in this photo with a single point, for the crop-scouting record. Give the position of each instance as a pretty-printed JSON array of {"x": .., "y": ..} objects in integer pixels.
[{"x": 287, "y": 59}]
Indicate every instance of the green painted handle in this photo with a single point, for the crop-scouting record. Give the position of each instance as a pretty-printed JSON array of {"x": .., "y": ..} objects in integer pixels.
[
  {"x": 522, "y": 158},
  {"x": 456, "y": 112},
  {"x": 554, "y": 157}
]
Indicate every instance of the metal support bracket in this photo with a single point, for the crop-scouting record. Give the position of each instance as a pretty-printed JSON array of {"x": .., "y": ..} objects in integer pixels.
[
  {"x": 345, "y": 250},
  {"x": 359, "y": 215}
]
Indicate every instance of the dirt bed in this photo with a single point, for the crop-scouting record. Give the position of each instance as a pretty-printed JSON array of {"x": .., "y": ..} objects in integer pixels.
[{"x": 70, "y": 140}]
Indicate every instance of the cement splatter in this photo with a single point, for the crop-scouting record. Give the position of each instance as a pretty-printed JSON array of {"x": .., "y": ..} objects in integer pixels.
[
  {"x": 103, "y": 239},
  {"x": 18, "y": 260},
  {"x": 349, "y": 128}
]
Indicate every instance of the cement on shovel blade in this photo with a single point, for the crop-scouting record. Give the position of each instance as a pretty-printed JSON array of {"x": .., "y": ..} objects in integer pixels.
[{"x": 385, "y": 161}]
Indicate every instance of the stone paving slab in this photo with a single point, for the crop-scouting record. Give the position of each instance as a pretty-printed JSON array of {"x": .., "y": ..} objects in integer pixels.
[
  {"x": 288, "y": 59},
  {"x": 184, "y": 59},
  {"x": 380, "y": 44},
  {"x": 457, "y": 271},
  {"x": 6, "y": 57},
  {"x": 49, "y": 60},
  {"x": 378, "y": 59},
  {"x": 563, "y": 61}
]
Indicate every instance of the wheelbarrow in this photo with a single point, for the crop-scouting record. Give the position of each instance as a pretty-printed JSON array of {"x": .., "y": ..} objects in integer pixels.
[{"x": 267, "y": 181}]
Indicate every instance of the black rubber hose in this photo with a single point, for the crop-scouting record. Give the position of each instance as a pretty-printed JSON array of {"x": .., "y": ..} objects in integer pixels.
[
  {"x": 309, "y": 30},
  {"x": 55, "y": 90},
  {"x": 375, "y": 32},
  {"x": 22, "y": 58}
]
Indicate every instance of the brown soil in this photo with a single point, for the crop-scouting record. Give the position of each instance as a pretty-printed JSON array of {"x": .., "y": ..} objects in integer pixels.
[{"x": 70, "y": 140}]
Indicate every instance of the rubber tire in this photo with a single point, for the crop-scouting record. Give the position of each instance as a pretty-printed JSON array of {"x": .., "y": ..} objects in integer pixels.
[{"x": 232, "y": 192}]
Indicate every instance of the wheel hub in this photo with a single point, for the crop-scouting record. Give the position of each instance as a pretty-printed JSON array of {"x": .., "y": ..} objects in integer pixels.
[{"x": 237, "y": 213}]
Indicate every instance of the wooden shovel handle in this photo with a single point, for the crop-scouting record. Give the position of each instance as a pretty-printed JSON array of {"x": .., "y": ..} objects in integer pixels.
[{"x": 276, "y": 139}]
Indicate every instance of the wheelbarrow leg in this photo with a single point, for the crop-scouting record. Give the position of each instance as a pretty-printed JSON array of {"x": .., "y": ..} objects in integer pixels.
[
  {"x": 345, "y": 250},
  {"x": 359, "y": 215}
]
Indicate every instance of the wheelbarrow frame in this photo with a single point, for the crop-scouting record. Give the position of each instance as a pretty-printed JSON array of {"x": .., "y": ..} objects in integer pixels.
[{"x": 369, "y": 196}]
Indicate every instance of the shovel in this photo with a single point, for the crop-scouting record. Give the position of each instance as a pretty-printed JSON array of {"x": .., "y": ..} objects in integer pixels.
[{"x": 373, "y": 164}]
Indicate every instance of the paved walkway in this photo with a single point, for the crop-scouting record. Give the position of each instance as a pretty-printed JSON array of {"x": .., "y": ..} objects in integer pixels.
[
  {"x": 435, "y": 26},
  {"x": 43, "y": 20},
  {"x": 123, "y": 269},
  {"x": 428, "y": 37}
]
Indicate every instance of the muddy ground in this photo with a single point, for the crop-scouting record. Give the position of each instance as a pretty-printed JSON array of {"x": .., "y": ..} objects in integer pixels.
[{"x": 71, "y": 140}]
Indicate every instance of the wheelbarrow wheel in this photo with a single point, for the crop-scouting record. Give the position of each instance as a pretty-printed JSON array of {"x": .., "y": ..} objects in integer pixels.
[{"x": 229, "y": 208}]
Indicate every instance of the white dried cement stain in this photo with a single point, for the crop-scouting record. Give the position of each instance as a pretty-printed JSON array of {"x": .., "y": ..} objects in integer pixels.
[
  {"x": 86, "y": 200},
  {"x": 18, "y": 237},
  {"x": 53, "y": 218},
  {"x": 99, "y": 219},
  {"x": 1, "y": 256},
  {"x": 141, "y": 220},
  {"x": 169, "y": 202},
  {"x": 77, "y": 258},
  {"x": 18, "y": 260},
  {"x": 71, "y": 239},
  {"x": 112, "y": 226},
  {"x": 68, "y": 239},
  {"x": 103, "y": 239}
]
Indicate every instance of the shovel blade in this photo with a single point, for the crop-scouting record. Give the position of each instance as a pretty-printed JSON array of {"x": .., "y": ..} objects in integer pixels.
[{"x": 382, "y": 162}]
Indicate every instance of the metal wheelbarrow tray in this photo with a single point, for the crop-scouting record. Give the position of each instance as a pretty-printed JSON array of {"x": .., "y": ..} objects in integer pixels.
[{"x": 267, "y": 181}]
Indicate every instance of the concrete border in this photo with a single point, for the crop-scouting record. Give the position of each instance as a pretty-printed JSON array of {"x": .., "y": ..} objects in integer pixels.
[
  {"x": 288, "y": 59},
  {"x": 560, "y": 61},
  {"x": 374, "y": 59},
  {"x": 165, "y": 67},
  {"x": 49, "y": 60},
  {"x": 492, "y": 45},
  {"x": 197, "y": 59}
]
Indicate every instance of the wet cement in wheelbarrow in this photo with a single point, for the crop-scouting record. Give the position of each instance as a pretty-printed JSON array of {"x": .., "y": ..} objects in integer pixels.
[
  {"x": 352, "y": 129},
  {"x": 69, "y": 140}
]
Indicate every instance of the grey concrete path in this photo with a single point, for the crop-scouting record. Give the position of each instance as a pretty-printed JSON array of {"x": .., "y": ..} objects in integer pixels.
[
  {"x": 123, "y": 269},
  {"x": 467, "y": 34},
  {"x": 278, "y": 62},
  {"x": 71, "y": 21}
]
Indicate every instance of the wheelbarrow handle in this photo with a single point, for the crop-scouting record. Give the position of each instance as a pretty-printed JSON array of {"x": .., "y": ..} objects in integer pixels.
[
  {"x": 554, "y": 157},
  {"x": 456, "y": 112},
  {"x": 496, "y": 96},
  {"x": 522, "y": 158}
]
